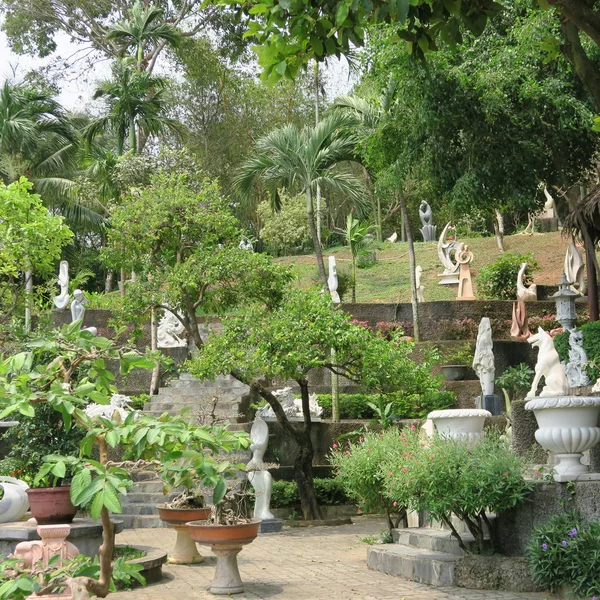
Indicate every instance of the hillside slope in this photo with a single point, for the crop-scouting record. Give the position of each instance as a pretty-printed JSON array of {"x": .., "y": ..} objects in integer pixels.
[{"x": 388, "y": 279}]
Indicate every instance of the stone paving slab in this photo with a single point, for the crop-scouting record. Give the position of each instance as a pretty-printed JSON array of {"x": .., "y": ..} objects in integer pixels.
[{"x": 320, "y": 563}]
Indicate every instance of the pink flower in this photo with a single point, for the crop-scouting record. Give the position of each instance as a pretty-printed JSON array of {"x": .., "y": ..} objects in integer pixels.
[
  {"x": 359, "y": 511},
  {"x": 381, "y": 435},
  {"x": 432, "y": 457},
  {"x": 404, "y": 469},
  {"x": 412, "y": 427},
  {"x": 394, "y": 503},
  {"x": 390, "y": 474},
  {"x": 361, "y": 439},
  {"x": 506, "y": 473},
  {"x": 538, "y": 474},
  {"x": 334, "y": 446}
]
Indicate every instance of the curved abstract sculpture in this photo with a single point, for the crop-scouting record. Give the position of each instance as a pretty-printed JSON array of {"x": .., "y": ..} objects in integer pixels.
[
  {"x": 428, "y": 231},
  {"x": 574, "y": 269},
  {"x": 78, "y": 310},
  {"x": 292, "y": 407},
  {"x": 260, "y": 479},
  {"x": 519, "y": 329},
  {"x": 62, "y": 300},
  {"x": 465, "y": 284},
  {"x": 332, "y": 281},
  {"x": 483, "y": 360},
  {"x": 548, "y": 366},
  {"x": 446, "y": 251},
  {"x": 527, "y": 294},
  {"x": 14, "y": 503}
]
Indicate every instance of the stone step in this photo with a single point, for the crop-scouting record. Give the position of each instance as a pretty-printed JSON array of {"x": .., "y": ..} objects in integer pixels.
[
  {"x": 414, "y": 564},
  {"x": 140, "y": 475},
  {"x": 139, "y": 508},
  {"x": 427, "y": 538},
  {"x": 147, "y": 487},
  {"x": 219, "y": 419},
  {"x": 153, "y": 498},
  {"x": 226, "y": 408},
  {"x": 140, "y": 521},
  {"x": 200, "y": 393}
]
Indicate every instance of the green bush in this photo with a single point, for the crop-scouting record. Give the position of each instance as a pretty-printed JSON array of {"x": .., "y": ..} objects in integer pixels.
[
  {"x": 591, "y": 345},
  {"x": 404, "y": 406},
  {"x": 498, "y": 281},
  {"x": 329, "y": 492},
  {"x": 564, "y": 552}
]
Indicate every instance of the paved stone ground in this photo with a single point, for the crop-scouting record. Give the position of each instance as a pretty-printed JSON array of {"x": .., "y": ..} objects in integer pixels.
[{"x": 300, "y": 564}]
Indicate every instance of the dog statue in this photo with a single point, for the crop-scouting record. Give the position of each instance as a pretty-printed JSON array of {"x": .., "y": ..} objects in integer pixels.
[{"x": 548, "y": 365}]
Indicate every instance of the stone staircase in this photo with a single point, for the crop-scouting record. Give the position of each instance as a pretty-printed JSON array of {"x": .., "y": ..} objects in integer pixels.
[
  {"x": 223, "y": 400},
  {"x": 139, "y": 506},
  {"x": 422, "y": 554}
]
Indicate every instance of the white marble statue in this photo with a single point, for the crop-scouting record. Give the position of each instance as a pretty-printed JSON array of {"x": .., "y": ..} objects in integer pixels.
[
  {"x": 575, "y": 368},
  {"x": 14, "y": 503},
  {"x": 78, "y": 310},
  {"x": 547, "y": 366},
  {"x": 420, "y": 288},
  {"x": 483, "y": 360},
  {"x": 246, "y": 244},
  {"x": 574, "y": 269},
  {"x": 260, "y": 479},
  {"x": 525, "y": 293},
  {"x": 332, "y": 281},
  {"x": 549, "y": 206},
  {"x": 119, "y": 404},
  {"x": 428, "y": 231},
  {"x": 62, "y": 300},
  {"x": 393, "y": 238},
  {"x": 170, "y": 332},
  {"x": 292, "y": 407},
  {"x": 447, "y": 253}
]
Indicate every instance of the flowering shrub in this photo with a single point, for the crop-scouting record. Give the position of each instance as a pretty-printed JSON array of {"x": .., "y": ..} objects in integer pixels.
[
  {"x": 447, "y": 477},
  {"x": 458, "y": 329},
  {"x": 564, "y": 552},
  {"x": 359, "y": 469}
]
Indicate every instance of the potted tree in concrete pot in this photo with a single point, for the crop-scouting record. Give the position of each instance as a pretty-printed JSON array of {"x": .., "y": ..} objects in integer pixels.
[{"x": 456, "y": 361}]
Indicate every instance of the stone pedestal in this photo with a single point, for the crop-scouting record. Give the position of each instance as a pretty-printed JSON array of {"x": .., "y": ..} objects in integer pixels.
[
  {"x": 491, "y": 402},
  {"x": 548, "y": 224},
  {"x": 270, "y": 526},
  {"x": 185, "y": 551},
  {"x": 448, "y": 279},
  {"x": 227, "y": 578}
]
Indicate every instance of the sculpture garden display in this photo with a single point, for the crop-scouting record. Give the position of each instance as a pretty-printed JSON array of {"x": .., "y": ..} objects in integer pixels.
[
  {"x": 78, "y": 309},
  {"x": 428, "y": 231},
  {"x": 393, "y": 238},
  {"x": 14, "y": 503},
  {"x": 548, "y": 366},
  {"x": 447, "y": 251},
  {"x": 483, "y": 359}
]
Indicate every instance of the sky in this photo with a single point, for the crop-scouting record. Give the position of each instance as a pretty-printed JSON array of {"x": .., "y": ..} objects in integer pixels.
[{"x": 77, "y": 87}]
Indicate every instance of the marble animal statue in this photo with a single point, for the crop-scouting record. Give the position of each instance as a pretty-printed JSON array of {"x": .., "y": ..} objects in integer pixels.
[
  {"x": 526, "y": 293},
  {"x": 392, "y": 238},
  {"x": 483, "y": 359},
  {"x": 170, "y": 332},
  {"x": 464, "y": 257},
  {"x": 14, "y": 503},
  {"x": 420, "y": 288},
  {"x": 119, "y": 404},
  {"x": 547, "y": 366},
  {"x": 446, "y": 252},
  {"x": 519, "y": 329},
  {"x": 258, "y": 476},
  {"x": 428, "y": 231},
  {"x": 574, "y": 269},
  {"x": 575, "y": 368},
  {"x": 332, "y": 281},
  {"x": 62, "y": 300}
]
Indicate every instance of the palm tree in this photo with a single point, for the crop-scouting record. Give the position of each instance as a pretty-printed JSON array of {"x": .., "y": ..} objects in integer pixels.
[
  {"x": 143, "y": 31},
  {"x": 136, "y": 107},
  {"x": 356, "y": 235},
  {"x": 300, "y": 160}
]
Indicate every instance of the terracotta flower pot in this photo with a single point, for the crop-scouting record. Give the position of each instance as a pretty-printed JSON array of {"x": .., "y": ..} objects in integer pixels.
[
  {"x": 51, "y": 506},
  {"x": 226, "y": 542},
  {"x": 185, "y": 551}
]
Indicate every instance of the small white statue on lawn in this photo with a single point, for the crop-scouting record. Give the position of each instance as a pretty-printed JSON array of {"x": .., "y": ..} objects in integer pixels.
[
  {"x": 260, "y": 479},
  {"x": 119, "y": 405},
  {"x": 393, "y": 238},
  {"x": 483, "y": 360},
  {"x": 246, "y": 244},
  {"x": 548, "y": 366},
  {"x": 420, "y": 288},
  {"x": 332, "y": 281},
  {"x": 62, "y": 300},
  {"x": 527, "y": 294},
  {"x": 170, "y": 332}
]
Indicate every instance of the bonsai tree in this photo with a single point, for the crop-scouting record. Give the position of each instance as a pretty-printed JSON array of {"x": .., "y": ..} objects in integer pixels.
[
  {"x": 66, "y": 372},
  {"x": 290, "y": 342}
]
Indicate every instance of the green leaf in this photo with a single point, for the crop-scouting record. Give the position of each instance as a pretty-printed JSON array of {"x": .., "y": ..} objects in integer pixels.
[
  {"x": 79, "y": 483},
  {"x": 59, "y": 470},
  {"x": 111, "y": 499},
  {"x": 26, "y": 410},
  {"x": 88, "y": 493},
  {"x": 258, "y": 9},
  {"x": 219, "y": 491},
  {"x": 112, "y": 438},
  {"x": 403, "y": 6},
  {"x": 280, "y": 67},
  {"x": 97, "y": 505},
  {"x": 341, "y": 13}
]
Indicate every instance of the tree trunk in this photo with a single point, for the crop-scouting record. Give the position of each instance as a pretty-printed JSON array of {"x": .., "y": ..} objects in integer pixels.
[
  {"x": 192, "y": 321},
  {"x": 28, "y": 298},
  {"x": 335, "y": 391},
  {"x": 412, "y": 266},
  {"x": 353, "y": 279},
  {"x": 499, "y": 230},
  {"x": 154, "y": 346},
  {"x": 379, "y": 225},
  {"x": 315, "y": 238}
]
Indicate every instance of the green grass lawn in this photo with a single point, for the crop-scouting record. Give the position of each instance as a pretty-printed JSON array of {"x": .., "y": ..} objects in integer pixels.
[{"x": 388, "y": 279}]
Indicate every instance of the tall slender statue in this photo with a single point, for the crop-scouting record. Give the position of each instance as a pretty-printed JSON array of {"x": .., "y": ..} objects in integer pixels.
[
  {"x": 428, "y": 231},
  {"x": 483, "y": 360},
  {"x": 62, "y": 300},
  {"x": 420, "y": 288},
  {"x": 525, "y": 293},
  {"x": 332, "y": 281},
  {"x": 258, "y": 476},
  {"x": 574, "y": 269}
]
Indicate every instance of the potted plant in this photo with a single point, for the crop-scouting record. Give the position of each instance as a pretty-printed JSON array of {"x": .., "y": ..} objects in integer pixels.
[
  {"x": 456, "y": 361},
  {"x": 226, "y": 531}
]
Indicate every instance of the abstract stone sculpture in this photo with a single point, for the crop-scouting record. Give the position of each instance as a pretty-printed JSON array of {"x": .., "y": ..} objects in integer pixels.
[
  {"x": 574, "y": 269},
  {"x": 465, "y": 284},
  {"x": 446, "y": 251},
  {"x": 428, "y": 231},
  {"x": 575, "y": 368},
  {"x": 527, "y": 294},
  {"x": 519, "y": 329},
  {"x": 246, "y": 244},
  {"x": 420, "y": 288},
  {"x": 291, "y": 407},
  {"x": 260, "y": 479},
  {"x": 14, "y": 503},
  {"x": 392, "y": 238},
  {"x": 548, "y": 366},
  {"x": 170, "y": 332},
  {"x": 62, "y": 300},
  {"x": 332, "y": 281},
  {"x": 483, "y": 359},
  {"x": 78, "y": 310}
]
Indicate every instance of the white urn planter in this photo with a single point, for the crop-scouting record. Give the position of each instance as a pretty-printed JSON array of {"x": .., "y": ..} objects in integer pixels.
[
  {"x": 567, "y": 427},
  {"x": 460, "y": 424}
]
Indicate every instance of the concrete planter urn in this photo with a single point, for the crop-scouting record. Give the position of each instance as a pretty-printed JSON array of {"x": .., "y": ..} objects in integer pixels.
[
  {"x": 567, "y": 427},
  {"x": 226, "y": 541},
  {"x": 454, "y": 372},
  {"x": 185, "y": 551},
  {"x": 460, "y": 424}
]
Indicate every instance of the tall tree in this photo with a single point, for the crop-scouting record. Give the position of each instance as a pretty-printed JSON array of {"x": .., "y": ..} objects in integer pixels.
[{"x": 299, "y": 160}]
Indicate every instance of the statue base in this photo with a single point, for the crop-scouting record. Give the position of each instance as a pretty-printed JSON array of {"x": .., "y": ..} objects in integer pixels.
[
  {"x": 429, "y": 233},
  {"x": 270, "y": 526},
  {"x": 494, "y": 403},
  {"x": 449, "y": 279}
]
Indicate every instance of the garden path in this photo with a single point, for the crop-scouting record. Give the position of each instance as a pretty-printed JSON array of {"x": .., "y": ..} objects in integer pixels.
[{"x": 320, "y": 563}]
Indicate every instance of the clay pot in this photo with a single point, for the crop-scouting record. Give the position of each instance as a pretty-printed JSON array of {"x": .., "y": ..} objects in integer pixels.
[
  {"x": 51, "y": 506},
  {"x": 177, "y": 516},
  {"x": 454, "y": 372}
]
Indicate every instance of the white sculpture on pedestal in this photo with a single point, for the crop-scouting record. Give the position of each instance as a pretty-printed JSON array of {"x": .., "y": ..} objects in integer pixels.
[
  {"x": 260, "y": 479},
  {"x": 446, "y": 252},
  {"x": 170, "y": 332},
  {"x": 527, "y": 294},
  {"x": 574, "y": 269},
  {"x": 428, "y": 231},
  {"x": 62, "y": 300},
  {"x": 547, "y": 366},
  {"x": 292, "y": 407},
  {"x": 78, "y": 310},
  {"x": 332, "y": 281},
  {"x": 420, "y": 288},
  {"x": 549, "y": 206},
  {"x": 483, "y": 360}
]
